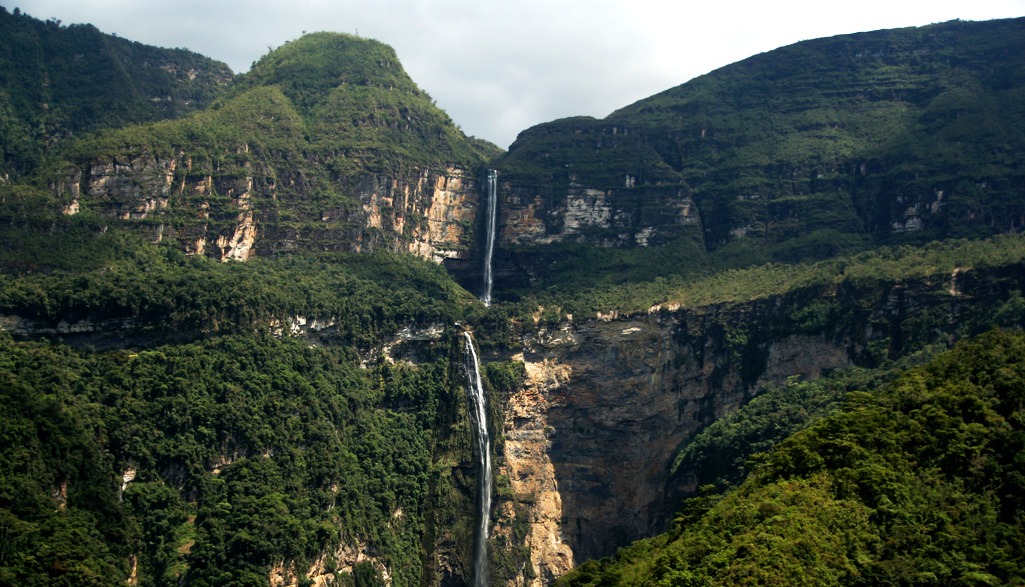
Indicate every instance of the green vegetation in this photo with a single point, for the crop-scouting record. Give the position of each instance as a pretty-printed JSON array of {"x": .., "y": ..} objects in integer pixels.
[
  {"x": 360, "y": 104},
  {"x": 823, "y": 148},
  {"x": 245, "y": 450},
  {"x": 263, "y": 119},
  {"x": 917, "y": 482},
  {"x": 719, "y": 457},
  {"x": 57, "y": 81},
  {"x": 848, "y": 133},
  {"x": 314, "y": 126},
  {"x": 164, "y": 293},
  {"x": 937, "y": 261},
  {"x": 163, "y": 421},
  {"x": 585, "y": 150}
]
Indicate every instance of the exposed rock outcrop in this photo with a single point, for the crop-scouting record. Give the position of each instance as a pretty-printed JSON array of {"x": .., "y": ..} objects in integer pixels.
[
  {"x": 802, "y": 152},
  {"x": 606, "y": 407},
  {"x": 260, "y": 209},
  {"x": 327, "y": 568},
  {"x": 591, "y": 436},
  {"x": 585, "y": 181},
  {"x": 607, "y": 217},
  {"x": 533, "y": 484}
]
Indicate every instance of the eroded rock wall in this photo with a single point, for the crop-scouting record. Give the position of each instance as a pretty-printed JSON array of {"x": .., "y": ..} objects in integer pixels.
[
  {"x": 608, "y": 402},
  {"x": 592, "y": 435},
  {"x": 255, "y": 206},
  {"x": 611, "y": 217}
]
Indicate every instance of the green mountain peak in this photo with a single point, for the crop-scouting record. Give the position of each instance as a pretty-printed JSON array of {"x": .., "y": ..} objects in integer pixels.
[{"x": 310, "y": 68}]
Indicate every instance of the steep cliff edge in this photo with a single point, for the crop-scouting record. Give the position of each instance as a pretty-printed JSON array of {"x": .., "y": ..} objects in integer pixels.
[
  {"x": 591, "y": 438},
  {"x": 912, "y": 479},
  {"x": 325, "y": 145},
  {"x": 270, "y": 210},
  {"x": 347, "y": 449},
  {"x": 586, "y": 181},
  {"x": 811, "y": 150}
]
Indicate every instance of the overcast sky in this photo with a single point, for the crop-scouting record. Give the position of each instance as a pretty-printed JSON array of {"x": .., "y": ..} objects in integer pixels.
[{"x": 499, "y": 67}]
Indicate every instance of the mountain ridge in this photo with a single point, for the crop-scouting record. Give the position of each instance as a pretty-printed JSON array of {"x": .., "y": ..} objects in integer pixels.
[
  {"x": 325, "y": 145},
  {"x": 825, "y": 146},
  {"x": 58, "y": 81}
]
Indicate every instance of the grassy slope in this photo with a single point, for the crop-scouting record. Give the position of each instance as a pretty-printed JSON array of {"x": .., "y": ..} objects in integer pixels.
[
  {"x": 935, "y": 261},
  {"x": 358, "y": 101}
]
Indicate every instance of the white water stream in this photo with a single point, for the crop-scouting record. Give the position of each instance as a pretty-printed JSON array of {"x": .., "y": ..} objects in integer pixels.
[
  {"x": 479, "y": 421},
  {"x": 491, "y": 193}
]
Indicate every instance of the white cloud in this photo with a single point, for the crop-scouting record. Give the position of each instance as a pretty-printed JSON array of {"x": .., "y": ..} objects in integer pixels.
[{"x": 500, "y": 67}]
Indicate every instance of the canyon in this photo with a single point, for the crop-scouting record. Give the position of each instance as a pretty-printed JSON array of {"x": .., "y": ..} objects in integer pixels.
[{"x": 608, "y": 402}]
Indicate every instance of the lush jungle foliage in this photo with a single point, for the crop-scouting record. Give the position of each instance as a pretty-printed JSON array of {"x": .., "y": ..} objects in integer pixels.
[
  {"x": 57, "y": 81},
  {"x": 170, "y": 420},
  {"x": 166, "y": 295},
  {"x": 916, "y": 482},
  {"x": 238, "y": 452}
]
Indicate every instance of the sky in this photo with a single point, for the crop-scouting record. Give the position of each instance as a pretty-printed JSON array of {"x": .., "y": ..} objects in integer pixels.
[{"x": 501, "y": 67}]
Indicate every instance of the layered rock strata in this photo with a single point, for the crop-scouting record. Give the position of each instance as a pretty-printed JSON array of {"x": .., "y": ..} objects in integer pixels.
[
  {"x": 608, "y": 402},
  {"x": 260, "y": 209}
]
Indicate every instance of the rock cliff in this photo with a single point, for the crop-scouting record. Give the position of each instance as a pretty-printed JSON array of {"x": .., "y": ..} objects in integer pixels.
[
  {"x": 822, "y": 147},
  {"x": 608, "y": 402},
  {"x": 325, "y": 145},
  {"x": 580, "y": 180},
  {"x": 328, "y": 146},
  {"x": 261, "y": 209}
]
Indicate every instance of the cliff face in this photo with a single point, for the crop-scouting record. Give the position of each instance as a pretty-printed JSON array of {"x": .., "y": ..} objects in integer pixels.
[
  {"x": 606, "y": 217},
  {"x": 325, "y": 145},
  {"x": 817, "y": 148},
  {"x": 259, "y": 208},
  {"x": 591, "y": 437},
  {"x": 581, "y": 180}
]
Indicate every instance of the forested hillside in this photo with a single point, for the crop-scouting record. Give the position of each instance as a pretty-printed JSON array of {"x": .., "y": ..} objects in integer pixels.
[
  {"x": 916, "y": 482},
  {"x": 820, "y": 148},
  {"x": 61, "y": 81},
  {"x": 326, "y": 144},
  {"x": 211, "y": 462}
]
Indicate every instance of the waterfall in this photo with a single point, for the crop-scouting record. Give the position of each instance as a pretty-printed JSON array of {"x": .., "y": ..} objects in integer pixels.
[
  {"x": 491, "y": 194},
  {"x": 479, "y": 421}
]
